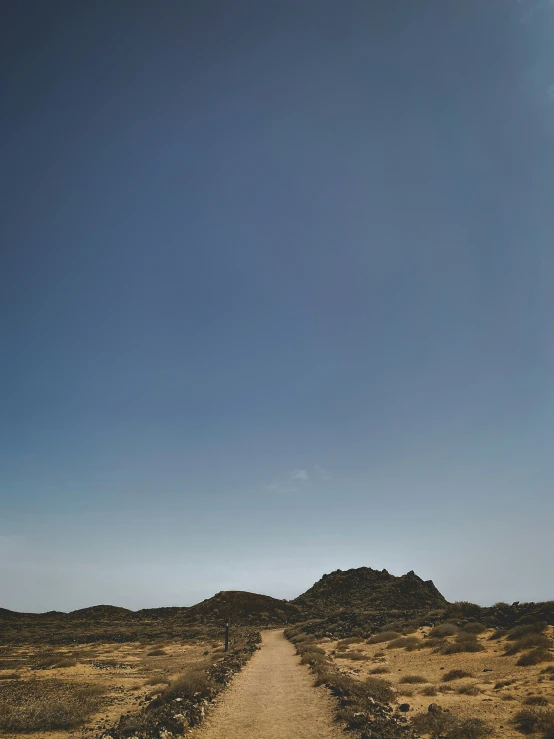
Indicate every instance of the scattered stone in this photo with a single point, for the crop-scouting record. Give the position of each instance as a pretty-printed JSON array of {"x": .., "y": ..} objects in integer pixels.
[{"x": 404, "y": 707}]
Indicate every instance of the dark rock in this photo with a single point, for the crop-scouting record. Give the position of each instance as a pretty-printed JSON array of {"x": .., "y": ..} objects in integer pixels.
[
  {"x": 404, "y": 707},
  {"x": 434, "y": 708}
]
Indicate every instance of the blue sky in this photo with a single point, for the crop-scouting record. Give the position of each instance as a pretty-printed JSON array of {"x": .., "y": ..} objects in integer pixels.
[{"x": 277, "y": 293}]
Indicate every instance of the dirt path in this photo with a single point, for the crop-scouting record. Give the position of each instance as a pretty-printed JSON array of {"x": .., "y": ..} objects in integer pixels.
[{"x": 272, "y": 698}]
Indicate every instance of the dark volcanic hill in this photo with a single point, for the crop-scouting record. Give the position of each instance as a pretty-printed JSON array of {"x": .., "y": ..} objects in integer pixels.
[
  {"x": 355, "y": 592},
  {"x": 243, "y": 607},
  {"x": 365, "y": 589},
  {"x": 99, "y": 613}
]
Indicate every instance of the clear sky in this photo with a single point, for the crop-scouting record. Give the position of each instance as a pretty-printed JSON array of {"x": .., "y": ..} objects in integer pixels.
[{"x": 277, "y": 297}]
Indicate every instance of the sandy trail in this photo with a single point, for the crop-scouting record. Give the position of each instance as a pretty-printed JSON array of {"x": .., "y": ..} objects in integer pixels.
[{"x": 272, "y": 698}]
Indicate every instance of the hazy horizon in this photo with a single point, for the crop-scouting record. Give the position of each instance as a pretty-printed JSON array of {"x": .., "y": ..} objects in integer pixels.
[
  {"x": 210, "y": 595},
  {"x": 278, "y": 294}
]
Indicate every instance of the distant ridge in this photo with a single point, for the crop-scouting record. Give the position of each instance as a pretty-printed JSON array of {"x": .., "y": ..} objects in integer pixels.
[{"x": 361, "y": 588}]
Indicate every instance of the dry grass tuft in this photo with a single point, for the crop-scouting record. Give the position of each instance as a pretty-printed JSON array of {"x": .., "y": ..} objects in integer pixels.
[
  {"x": 446, "y": 724},
  {"x": 531, "y": 720},
  {"x": 413, "y": 679},
  {"x": 528, "y": 641},
  {"x": 468, "y": 689},
  {"x": 404, "y": 642},
  {"x": 382, "y": 670},
  {"x": 503, "y": 684},
  {"x": 157, "y": 680},
  {"x": 524, "y": 629},
  {"x": 47, "y": 705},
  {"x": 455, "y": 675},
  {"x": 536, "y": 700},
  {"x": 196, "y": 680},
  {"x": 442, "y": 630},
  {"x": 429, "y": 690},
  {"x": 383, "y": 636},
  {"x": 464, "y": 643},
  {"x": 534, "y": 657}
]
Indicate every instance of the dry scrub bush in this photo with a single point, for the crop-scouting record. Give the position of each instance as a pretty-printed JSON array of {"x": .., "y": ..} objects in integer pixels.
[
  {"x": 10, "y": 676},
  {"x": 157, "y": 653},
  {"x": 196, "y": 680},
  {"x": 378, "y": 689},
  {"x": 503, "y": 684},
  {"x": 467, "y": 609},
  {"x": 475, "y": 628},
  {"x": 468, "y": 689},
  {"x": 533, "y": 720},
  {"x": 392, "y": 626},
  {"x": 432, "y": 643},
  {"x": 535, "y": 657},
  {"x": 379, "y": 670},
  {"x": 410, "y": 629},
  {"x": 524, "y": 629},
  {"x": 47, "y": 705},
  {"x": 413, "y": 679},
  {"x": 408, "y": 692},
  {"x": 442, "y": 630},
  {"x": 343, "y": 643},
  {"x": 445, "y": 724},
  {"x": 47, "y": 660},
  {"x": 429, "y": 690},
  {"x": 404, "y": 642},
  {"x": 157, "y": 680},
  {"x": 464, "y": 643},
  {"x": 358, "y": 656},
  {"x": 528, "y": 641},
  {"x": 383, "y": 636},
  {"x": 455, "y": 675},
  {"x": 536, "y": 700}
]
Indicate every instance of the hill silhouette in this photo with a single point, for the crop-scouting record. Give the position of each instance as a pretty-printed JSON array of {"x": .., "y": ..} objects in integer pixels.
[
  {"x": 362, "y": 588},
  {"x": 244, "y": 607},
  {"x": 357, "y": 591}
]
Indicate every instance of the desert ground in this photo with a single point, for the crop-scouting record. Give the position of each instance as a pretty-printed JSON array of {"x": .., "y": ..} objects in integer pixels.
[
  {"x": 494, "y": 688},
  {"x": 94, "y": 682},
  {"x": 361, "y": 654}
]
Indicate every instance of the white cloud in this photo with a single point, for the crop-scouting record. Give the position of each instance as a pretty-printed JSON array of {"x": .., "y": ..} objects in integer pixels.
[
  {"x": 287, "y": 485},
  {"x": 282, "y": 489},
  {"x": 321, "y": 472}
]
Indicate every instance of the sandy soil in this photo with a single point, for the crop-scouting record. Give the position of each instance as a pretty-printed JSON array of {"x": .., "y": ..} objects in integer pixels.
[
  {"x": 496, "y": 705},
  {"x": 127, "y": 672},
  {"x": 272, "y": 698}
]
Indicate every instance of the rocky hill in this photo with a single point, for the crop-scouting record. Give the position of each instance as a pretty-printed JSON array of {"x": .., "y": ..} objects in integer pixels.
[
  {"x": 99, "y": 613},
  {"x": 352, "y": 593},
  {"x": 365, "y": 589},
  {"x": 245, "y": 608}
]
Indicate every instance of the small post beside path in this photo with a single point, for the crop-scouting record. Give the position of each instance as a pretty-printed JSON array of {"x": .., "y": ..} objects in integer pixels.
[{"x": 227, "y": 636}]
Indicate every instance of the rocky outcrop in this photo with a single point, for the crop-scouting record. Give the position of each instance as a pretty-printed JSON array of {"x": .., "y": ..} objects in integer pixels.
[{"x": 366, "y": 589}]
